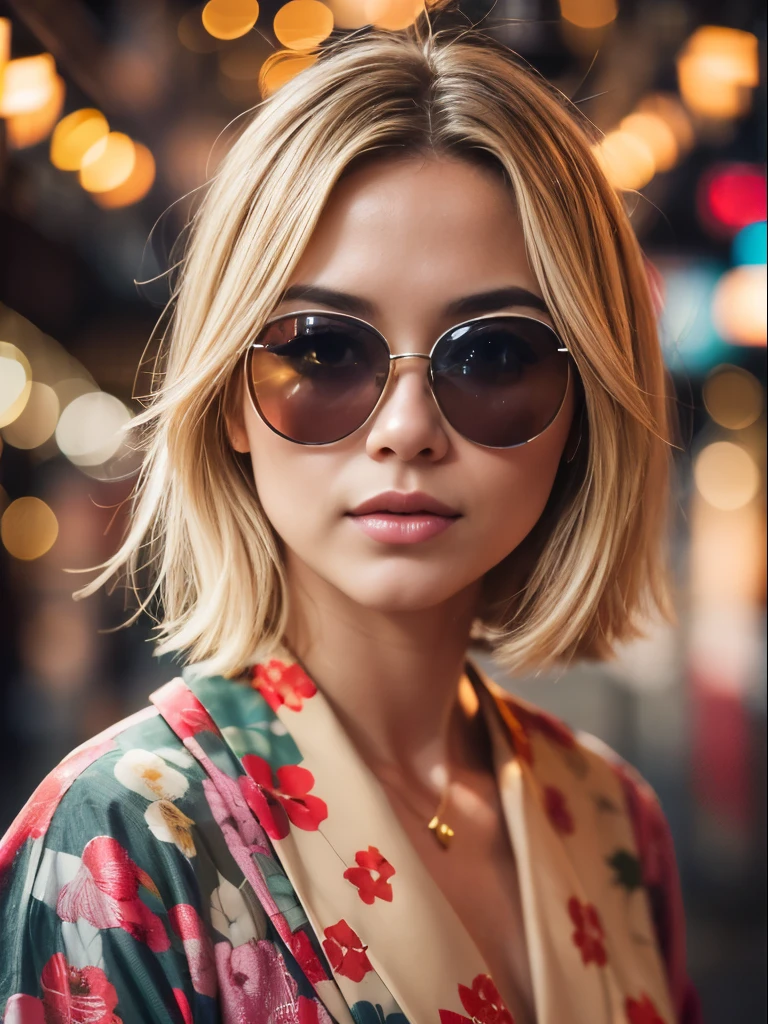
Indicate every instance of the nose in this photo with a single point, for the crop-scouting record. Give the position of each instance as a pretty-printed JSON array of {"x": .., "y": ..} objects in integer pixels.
[{"x": 408, "y": 423}]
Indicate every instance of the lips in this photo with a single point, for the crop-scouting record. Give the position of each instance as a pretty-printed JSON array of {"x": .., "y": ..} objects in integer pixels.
[{"x": 400, "y": 503}]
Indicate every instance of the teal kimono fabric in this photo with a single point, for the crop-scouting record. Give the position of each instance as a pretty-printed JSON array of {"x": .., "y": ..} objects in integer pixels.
[{"x": 141, "y": 884}]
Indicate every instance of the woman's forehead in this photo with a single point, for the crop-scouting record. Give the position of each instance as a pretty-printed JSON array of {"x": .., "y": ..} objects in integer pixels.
[{"x": 422, "y": 230}]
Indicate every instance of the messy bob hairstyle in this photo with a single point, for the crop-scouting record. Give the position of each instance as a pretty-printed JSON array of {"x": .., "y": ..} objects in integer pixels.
[{"x": 594, "y": 566}]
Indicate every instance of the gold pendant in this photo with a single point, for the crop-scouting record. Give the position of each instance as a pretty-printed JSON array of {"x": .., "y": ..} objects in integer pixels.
[{"x": 443, "y": 833}]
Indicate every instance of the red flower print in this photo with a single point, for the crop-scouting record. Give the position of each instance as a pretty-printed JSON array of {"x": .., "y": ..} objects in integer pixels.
[
  {"x": 556, "y": 806},
  {"x": 33, "y": 820},
  {"x": 279, "y": 684},
  {"x": 300, "y": 945},
  {"x": 368, "y": 887},
  {"x": 21, "y": 1009},
  {"x": 539, "y": 721},
  {"x": 105, "y": 891},
  {"x": 588, "y": 934},
  {"x": 292, "y": 793},
  {"x": 311, "y": 1012},
  {"x": 642, "y": 1011},
  {"x": 183, "y": 711},
  {"x": 183, "y": 1004},
  {"x": 72, "y": 994},
  {"x": 346, "y": 952},
  {"x": 482, "y": 1002}
]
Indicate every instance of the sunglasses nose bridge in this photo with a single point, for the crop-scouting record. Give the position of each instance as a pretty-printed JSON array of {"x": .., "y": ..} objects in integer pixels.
[{"x": 410, "y": 355}]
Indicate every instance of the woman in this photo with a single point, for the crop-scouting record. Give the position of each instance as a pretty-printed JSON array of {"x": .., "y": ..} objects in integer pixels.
[{"x": 413, "y": 395}]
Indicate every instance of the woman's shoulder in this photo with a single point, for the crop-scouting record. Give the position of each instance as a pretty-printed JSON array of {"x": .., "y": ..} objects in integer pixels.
[{"x": 100, "y": 787}]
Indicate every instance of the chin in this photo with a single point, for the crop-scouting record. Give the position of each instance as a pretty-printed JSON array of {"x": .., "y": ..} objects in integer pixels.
[{"x": 402, "y": 591}]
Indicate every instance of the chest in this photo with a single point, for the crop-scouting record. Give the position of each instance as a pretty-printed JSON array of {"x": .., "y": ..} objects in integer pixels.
[{"x": 478, "y": 877}]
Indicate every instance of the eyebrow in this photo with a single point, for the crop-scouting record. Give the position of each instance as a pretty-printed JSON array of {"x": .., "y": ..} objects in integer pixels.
[
  {"x": 469, "y": 305},
  {"x": 343, "y": 301},
  {"x": 499, "y": 298}
]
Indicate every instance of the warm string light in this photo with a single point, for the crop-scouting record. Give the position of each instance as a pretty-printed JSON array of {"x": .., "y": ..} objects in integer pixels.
[
  {"x": 589, "y": 14},
  {"x": 717, "y": 70},
  {"x": 303, "y": 24},
  {"x": 74, "y": 135},
  {"x": 229, "y": 19},
  {"x": 28, "y": 528},
  {"x": 650, "y": 140},
  {"x": 733, "y": 397},
  {"x": 726, "y": 476}
]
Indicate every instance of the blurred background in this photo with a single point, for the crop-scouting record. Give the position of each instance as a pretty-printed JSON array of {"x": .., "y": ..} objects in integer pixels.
[{"x": 114, "y": 112}]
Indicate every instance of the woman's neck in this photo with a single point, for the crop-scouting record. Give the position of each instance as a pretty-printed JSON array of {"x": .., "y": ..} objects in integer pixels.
[{"x": 392, "y": 678}]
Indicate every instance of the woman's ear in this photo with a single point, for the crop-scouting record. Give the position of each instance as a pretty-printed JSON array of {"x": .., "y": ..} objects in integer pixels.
[{"x": 234, "y": 416}]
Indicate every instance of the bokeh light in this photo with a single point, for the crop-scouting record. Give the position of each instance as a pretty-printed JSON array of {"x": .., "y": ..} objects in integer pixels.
[
  {"x": 28, "y": 528},
  {"x": 626, "y": 160},
  {"x": 37, "y": 420},
  {"x": 91, "y": 428},
  {"x": 739, "y": 305},
  {"x": 750, "y": 245},
  {"x": 70, "y": 388},
  {"x": 136, "y": 185},
  {"x": 108, "y": 163},
  {"x": 726, "y": 476},
  {"x": 732, "y": 196},
  {"x": 589, "y": 13},
  {"x": 5, "y": 43},
  {"x": 668, "y": 107},
  {"x": 393, "y": 14},
  {"x": 30, "y": 128},
  {"x": 716, "y": 70},
  {"x": 74, "y": 135},
  {"x": 349, "y": 14},
  {"x": 28, "y": 84},
  {"x": 733, "y": 397},
  {"x": 657, "y": 135},
  {"x": 15, "y": 382},
  {"x": 281, "y": 67},
  {"x": 230, "y": 19},
  {"x": 303, "y": 24}
]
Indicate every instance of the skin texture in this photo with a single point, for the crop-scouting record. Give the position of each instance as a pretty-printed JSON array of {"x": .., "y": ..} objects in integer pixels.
[{"x": 382, "y": 627}]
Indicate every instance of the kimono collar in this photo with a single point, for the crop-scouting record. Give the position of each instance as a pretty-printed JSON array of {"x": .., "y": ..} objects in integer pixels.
[{"x": 394, "y": 943}]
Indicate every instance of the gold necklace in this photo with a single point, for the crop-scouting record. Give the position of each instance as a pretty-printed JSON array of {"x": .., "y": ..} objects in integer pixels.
[{"x": 440, "y": 829}]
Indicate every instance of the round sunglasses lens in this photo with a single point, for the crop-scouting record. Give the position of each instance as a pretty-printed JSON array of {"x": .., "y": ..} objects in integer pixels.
[
  {"x": 500, "y": 381},
  {"x": 316, "y": 378}
]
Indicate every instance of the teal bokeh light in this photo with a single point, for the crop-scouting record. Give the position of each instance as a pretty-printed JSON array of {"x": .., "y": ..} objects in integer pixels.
[{"x": 749, "y": 246}]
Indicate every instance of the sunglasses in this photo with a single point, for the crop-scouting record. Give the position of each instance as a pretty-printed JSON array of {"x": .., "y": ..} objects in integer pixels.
[{"x": 315, "y": 378}]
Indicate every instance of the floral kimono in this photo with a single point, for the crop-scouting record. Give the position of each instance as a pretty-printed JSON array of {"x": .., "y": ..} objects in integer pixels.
[{"x": 226, "y": 855}]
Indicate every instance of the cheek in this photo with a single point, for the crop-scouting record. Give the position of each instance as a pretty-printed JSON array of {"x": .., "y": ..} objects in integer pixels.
[
  {"x": 511, "y": 488},
  {"x": 292, "y": 482}
]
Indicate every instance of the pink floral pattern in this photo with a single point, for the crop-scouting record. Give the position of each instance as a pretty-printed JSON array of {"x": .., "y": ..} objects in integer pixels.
[
  {"x": 71, "y": 995},
  {"x": 188, "y": 925},
  {"x": 105, "y": 892},
  {"x": 253, "y": 984}
]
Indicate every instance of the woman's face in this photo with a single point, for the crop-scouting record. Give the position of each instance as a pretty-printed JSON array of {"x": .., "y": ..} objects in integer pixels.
[{"x": 412, "y": 245}]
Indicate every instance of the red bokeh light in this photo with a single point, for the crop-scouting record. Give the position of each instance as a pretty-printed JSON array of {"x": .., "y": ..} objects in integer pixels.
[{"x": 732, "y": 196}]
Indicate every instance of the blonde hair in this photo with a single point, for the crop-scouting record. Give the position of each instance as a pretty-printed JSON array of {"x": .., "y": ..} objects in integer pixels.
[{"x": 593, "y": 568}]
